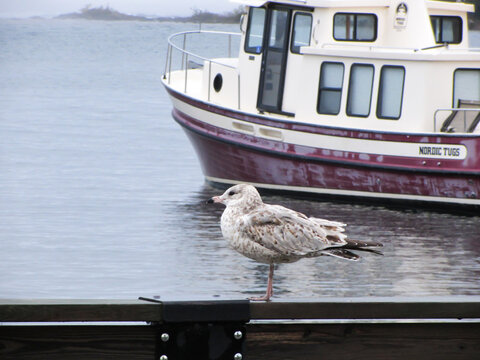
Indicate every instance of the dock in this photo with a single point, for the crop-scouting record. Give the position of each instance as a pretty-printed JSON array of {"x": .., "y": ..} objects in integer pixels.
[{"x": 328, "y": 328}]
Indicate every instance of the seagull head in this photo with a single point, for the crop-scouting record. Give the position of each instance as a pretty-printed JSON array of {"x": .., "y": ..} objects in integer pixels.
[{"x": 238, "y": 195}]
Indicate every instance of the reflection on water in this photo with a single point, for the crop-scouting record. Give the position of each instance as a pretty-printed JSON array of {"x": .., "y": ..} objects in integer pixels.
[{"x": 101, "y": 195}]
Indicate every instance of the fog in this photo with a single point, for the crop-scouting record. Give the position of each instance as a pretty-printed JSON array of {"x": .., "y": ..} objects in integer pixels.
[{"x": 48, "y": 8}]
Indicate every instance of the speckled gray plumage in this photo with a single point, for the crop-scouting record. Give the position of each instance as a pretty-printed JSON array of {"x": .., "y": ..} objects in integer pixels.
[{"x": 275, "y": 234}]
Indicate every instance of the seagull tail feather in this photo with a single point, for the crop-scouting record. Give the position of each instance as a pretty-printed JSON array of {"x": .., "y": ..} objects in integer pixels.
[
  {"x": 363, "y": 246},
  {"x": 341, "y": 253}
]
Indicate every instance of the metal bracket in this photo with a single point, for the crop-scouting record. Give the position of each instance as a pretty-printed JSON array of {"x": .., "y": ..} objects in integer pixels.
[
  {"x": 206, "y": 330},
  {"x": 212, "y": 341}
]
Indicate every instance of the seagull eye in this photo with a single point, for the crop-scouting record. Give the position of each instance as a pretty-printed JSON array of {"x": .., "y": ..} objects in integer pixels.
[{"x": 231, "y": 193}]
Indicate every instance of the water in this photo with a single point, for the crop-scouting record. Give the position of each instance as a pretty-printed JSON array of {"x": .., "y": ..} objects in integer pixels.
[{"x": 101, "y": 195}]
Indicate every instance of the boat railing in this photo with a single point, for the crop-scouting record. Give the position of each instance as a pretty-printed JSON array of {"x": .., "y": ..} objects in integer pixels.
[
  {"x": 373, "y": 48},
  {"x": 367, "y": 47},
  {"x": 183, "y": 54},
  {"x": 457, "y": 120}
]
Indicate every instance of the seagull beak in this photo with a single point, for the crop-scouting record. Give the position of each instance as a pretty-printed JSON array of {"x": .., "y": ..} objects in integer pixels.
[{"x": 215, "y": 199}]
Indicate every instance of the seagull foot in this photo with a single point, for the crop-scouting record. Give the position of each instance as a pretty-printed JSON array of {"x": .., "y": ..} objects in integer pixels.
[{"x": 266, "y": 297}]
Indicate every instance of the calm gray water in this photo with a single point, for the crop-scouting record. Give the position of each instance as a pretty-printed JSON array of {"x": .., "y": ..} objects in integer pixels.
[{"x": 101, "y": 195}]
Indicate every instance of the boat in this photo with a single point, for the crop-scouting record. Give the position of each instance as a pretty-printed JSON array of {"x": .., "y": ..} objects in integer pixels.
[{"x": 370, "y": 100}]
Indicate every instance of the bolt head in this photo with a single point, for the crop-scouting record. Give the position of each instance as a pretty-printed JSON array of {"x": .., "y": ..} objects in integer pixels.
[
  {"x": 237, "y": 356},
  {"x": 165, "y": 337},
  {"x": 237, "y": 335},
  {"x": 164, "y": 357}
]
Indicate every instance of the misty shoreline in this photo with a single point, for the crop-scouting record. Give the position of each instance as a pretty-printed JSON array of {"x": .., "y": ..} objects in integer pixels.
[{"x": 108, "y": 14}]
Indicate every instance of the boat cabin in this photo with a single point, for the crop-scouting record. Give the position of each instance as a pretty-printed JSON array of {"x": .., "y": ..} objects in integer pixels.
[
  {"x": 370, "y": 98},
  {"x": 381, "y": 65}
]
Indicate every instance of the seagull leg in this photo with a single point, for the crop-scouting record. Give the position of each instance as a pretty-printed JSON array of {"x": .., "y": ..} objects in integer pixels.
[
  {"x": 269, "y": 292},
  {"x": 270, "y": 282}
]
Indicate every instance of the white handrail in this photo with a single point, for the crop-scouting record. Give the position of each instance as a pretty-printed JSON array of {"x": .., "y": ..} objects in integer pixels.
[
  {"x": 188, "y": 54},
  {"x": 184, "y": 51},
  {"x": 372, "y": 48}
]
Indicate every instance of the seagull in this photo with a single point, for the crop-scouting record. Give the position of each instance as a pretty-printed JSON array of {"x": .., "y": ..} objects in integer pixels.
[{"x": 273, "y": 234}]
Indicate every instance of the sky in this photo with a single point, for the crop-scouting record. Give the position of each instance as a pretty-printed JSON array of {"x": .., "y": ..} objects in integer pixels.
[{"x": 27, "y": 8}]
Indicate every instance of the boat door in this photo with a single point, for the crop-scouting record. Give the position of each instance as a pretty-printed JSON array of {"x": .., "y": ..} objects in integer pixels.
[{"x": 274, "y": 60}]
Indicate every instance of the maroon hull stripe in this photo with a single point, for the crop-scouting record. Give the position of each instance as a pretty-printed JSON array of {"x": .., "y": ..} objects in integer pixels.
[{"x": 305, "y": 153}]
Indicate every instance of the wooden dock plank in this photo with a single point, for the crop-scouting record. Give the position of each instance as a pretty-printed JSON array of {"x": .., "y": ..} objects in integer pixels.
[
  {"x": 328, "y": 328},
  {"x": 462, "y": 307},
  {"x": 78, "y": 310},
  {"x": 393, "y": 341},
  {"x": 77, "y": 342}
]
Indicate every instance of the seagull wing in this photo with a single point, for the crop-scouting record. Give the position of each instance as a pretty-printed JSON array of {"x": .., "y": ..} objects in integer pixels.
[{"x": 290, "y": 233}]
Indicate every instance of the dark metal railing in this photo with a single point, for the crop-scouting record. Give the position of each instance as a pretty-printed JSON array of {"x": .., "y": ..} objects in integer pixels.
[{"x": 467, "y": 118}]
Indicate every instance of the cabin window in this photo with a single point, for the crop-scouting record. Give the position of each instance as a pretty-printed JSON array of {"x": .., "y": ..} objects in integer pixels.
[
  {"x": 390, "y": 92},
  {"x": 274, "y": 61},
  {"x": 330, "y": 91},
  {"x": 360, "y": 90},
  {"x": 466, "y": 85},
  {"x": 302, "y": 28},
  {"x": 354, "y": 27},
  {"x": 278, "y": 29},
  {"x": 255, "y": 30},
  {"x": 447, "y": 29}
]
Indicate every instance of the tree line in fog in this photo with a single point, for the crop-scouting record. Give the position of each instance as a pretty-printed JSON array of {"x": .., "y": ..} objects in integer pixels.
[{"x": 107, "y": 13}]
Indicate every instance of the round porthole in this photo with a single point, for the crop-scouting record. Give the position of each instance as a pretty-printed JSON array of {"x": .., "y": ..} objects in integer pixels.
[{"x": 218, "y": 82}]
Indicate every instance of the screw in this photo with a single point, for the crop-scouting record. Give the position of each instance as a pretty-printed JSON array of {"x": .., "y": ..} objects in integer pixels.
[
  {"x": 164, "y": 357},
  {"x": 165, "y": 337},
  {"x": 238, "y": 335},
  {"x": 238, "y": 356}
]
